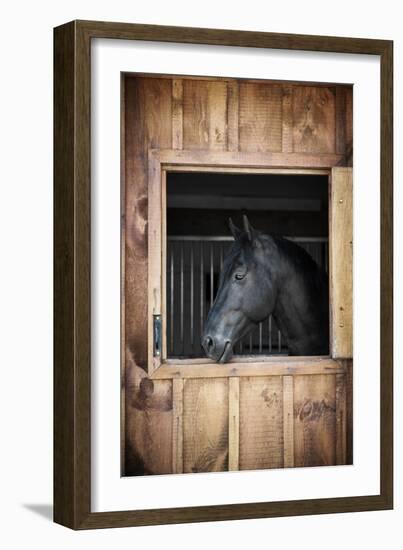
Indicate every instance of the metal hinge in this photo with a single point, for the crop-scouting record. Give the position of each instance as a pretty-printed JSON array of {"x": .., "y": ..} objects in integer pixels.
[{"x": 157, "y": 335}]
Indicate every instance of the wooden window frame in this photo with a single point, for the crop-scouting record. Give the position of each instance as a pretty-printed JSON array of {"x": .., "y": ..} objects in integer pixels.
[{"x": 162, "y": 161}]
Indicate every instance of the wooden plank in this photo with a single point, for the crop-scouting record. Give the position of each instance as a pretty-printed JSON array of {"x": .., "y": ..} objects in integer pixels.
[
  {"x": 287, "y": 139},
  {"x": 261, "y": 423},
  {"x": 341, "y": 120},
  {"x": 204, "y": 114},
  {"x": 148, "y": 424},
  {"x": 341, "y": 419},
  {"x": 155, "y": 253},
  {"x": 287, "y": 360},
  {"x": 288, "y": 421},
  {"x": 177, "y": 428},
  {"x": 267, "y": 161},
  {"x": 177, "y": 113},
  {"x": 248, "y": 170},
  {"x": 148, "y": 404},
  {"x": 341, "y": 262},
  {"x": 205, "y": 444},
  {"x": 260, "y": 113},
  {"x": 314, "y": 119},
  {"x": 206, "y": 368},
  {"x": 233, "y": 424},
  {"x": 315, "y": 420},
  {"x": 247, "y": 160},
  {"x": 233, "y": 116}
]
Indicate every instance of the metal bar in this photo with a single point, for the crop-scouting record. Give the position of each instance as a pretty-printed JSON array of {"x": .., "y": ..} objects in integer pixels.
[
  {"x": 279, "y": 341},
  {"x": 211, "y": 276},
  {"x": 172, "y": 301},
  {"x": 251, "y": 342},
  {"x": 201, "y": 289},
  {"x": 181, "y": 325},
  {"x": 221, "y": 257},
  {"x": 191, "y": 298},
  {"x": 208, "y": 238}
]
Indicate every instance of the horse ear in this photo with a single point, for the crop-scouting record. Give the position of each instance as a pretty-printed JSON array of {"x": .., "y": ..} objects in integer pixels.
[
  {"x": 236, "y": 233},
  {"x": 248, "y": 229}
]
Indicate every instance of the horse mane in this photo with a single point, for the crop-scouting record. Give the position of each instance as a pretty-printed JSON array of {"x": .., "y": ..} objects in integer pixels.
[{"x": 314, "y": 276}]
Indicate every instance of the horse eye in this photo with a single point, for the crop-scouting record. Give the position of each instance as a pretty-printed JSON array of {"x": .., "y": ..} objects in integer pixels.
[{"x": 239, "y": 276}]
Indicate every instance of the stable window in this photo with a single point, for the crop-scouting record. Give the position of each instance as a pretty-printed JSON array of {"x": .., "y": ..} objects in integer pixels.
[
  {"x": 199, "y": 206},
  {"x": 192, "y": 195}
]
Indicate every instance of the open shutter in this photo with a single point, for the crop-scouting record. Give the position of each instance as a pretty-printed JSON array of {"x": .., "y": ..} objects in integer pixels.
[{"x": 341, "y": 262}]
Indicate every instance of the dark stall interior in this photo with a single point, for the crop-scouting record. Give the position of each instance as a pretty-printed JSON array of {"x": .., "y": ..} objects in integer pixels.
[{"x": 198, "y": 208}]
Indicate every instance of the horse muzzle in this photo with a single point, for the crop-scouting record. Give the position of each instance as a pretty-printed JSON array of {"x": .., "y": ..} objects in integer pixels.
[{"x": 218, "y": 349}]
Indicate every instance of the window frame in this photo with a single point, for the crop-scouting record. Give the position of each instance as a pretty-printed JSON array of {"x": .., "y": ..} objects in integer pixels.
[{"x": 162, "y": 161}]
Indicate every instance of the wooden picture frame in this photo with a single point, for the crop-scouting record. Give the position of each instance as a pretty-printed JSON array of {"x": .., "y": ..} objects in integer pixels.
[{"x": 72, "y": 418}]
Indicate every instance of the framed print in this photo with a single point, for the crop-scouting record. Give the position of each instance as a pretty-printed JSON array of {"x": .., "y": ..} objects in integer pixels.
[{"x": 223, "y": 275}]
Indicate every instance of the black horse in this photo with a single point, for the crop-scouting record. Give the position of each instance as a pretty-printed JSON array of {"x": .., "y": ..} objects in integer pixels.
[{"x": 264, "y": 275}]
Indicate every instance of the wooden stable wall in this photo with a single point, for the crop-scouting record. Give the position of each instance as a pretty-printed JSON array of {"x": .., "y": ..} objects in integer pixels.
[
  {"x": 213, "y": 424},
  {"x": 255, "y": 422}
]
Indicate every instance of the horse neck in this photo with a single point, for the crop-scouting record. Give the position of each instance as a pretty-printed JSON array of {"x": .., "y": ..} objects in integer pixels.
[{"x": 293, "y": 310}]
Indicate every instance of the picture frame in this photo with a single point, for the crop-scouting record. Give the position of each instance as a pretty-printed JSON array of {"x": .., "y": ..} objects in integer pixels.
[{"x": 72, "y": 270}]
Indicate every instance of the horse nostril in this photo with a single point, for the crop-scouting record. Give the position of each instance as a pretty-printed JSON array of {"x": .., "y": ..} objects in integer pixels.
[{"x": 208, "y": 344}]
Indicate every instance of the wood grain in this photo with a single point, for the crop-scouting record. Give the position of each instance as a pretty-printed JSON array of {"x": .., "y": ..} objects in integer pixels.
[
  {"x": 233, "y": 424},
  {"x": 260, "y": 113},
  {"x": 261, "y": 423},
  {"x": 287, "y": 138},
  {"x": 177, "y": 429},
  {"x": 341, "y": 262},
  {"x": 315, "y": 420},
  {"x": 205, "y": 445},
  {"x": 341, "y": 119},
  {"x": 148, "y": 105},
  {"x": 148, "y": 423},
  {"x": 177, "y": 113},
  {"x": 155, "y": 257},
  {"x": 268, "y": 160},
  {"x": 314, "y": 119},
  {"x": 341, "y": 419},
  {"x": 247, "y": 366},
  {"x": 233, "y": 115},
  {"x": 205, "y": 114},
  {"x": 288, "y": 421}
]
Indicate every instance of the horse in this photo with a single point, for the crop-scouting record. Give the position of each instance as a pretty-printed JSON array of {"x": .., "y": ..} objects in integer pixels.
[{"x": 265, "y": 275}]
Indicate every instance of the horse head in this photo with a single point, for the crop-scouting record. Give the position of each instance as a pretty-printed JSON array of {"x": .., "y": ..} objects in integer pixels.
[{"x": 246, "y": 294}]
